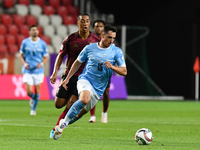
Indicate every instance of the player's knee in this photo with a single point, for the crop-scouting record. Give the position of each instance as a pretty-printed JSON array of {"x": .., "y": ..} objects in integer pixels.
[
  {"x": 59, "y": 103},
  {"x": 58, "y": 106},
  {"x": 29, "y": 93}
]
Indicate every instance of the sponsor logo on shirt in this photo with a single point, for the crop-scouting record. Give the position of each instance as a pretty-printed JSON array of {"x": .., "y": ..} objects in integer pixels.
[{"x": 75, "y": 45}]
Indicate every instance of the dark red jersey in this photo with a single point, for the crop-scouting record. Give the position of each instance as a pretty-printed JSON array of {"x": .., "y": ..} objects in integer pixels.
[{"x": 72, "y": 46}]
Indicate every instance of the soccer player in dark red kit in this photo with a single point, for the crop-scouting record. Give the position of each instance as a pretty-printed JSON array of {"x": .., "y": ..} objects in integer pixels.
[
  {"x": 98, "y": 26},
  {"x": 71, "y": 46}
]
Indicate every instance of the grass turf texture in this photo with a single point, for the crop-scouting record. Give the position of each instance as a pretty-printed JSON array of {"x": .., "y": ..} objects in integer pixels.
[{"x": 175, "y": 125}]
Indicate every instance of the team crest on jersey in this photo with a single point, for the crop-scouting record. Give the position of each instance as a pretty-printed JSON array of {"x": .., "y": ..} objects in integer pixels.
[
  {"x": 75, "y": 45},
  {"x": 104, "y": 55}
]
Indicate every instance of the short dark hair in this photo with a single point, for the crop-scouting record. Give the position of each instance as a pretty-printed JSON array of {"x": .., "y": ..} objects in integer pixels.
[
  {"x": 31, "y": 26},
  {"x": 99, "y": 20},
  {"x": 109, "y": 28},
  {"x": 82, "y": 14}
]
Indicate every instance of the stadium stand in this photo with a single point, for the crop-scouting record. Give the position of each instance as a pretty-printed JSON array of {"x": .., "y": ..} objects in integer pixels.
[
  {"x": 54, "y": 3},
  {"x": 19, "y": 39},
  {"x": 49, "y": 30},
  {"x": 39, "y": 2},
  {"x": 72, "y": 28},
  {"x": 6, "y": 19},
  {"x": 43, "y": 20},
  {"x": 3, "y": 49},
  {"x": 62, "y": 11},
  {"x": 3, "y": 29},
  {"x": 50, "y": 49},
  {"x": 18, "y": 19},
  {"x": 68, "y": 20},
  {"x": 21, "y": 9},
  {"x": 56, "y": 19},
  {"x": 2, "y": 39},
  {"x": 24, "y": 29},
  {"x": 48, "y": 10},
  {"x": 9, "y": 3},
  {"x": 30, "y": 19},
  {"x": 10, "y": 39},
  {"x": 62, "y": 31},
  {"x": 12, "y": 48},
  {"x": 12, "y": 29},
  {"x": 46, "y": 39},
  {"x": 23, "y": 2},
  {"x": 35, "y": 10}
]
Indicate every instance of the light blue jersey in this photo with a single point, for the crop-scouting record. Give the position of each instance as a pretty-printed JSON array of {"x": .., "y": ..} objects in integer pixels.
[
  {"x": 33, "y": 52},
  {"x": 95, "y": 72}
]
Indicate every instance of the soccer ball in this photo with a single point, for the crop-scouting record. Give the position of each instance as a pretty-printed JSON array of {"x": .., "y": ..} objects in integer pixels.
[{"x": 143, "y": 136}]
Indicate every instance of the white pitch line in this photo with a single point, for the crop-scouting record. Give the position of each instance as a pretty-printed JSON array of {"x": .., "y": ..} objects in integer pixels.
[{"x": 28, "y": 125}]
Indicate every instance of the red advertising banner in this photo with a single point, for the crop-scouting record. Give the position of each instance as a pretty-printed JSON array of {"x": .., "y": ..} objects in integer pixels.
[{"x": 12, "y": 87}]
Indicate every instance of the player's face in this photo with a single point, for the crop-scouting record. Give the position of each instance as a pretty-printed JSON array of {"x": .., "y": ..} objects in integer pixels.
[
  {"x": 34, "y": 32},
  {"x": 84, "y": 23},
  {"x": 108, "y": 38},
  {"x": 98, "y": 28}
]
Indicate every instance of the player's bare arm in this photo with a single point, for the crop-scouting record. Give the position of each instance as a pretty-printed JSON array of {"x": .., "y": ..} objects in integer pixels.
[
  {"x": 72, "y": 71},
  {"x": 43, "y": 62},
  {"x": 57, "y": 65},
  {"x": 26, "y": 65},
  {"x": 120, "y": 70}
]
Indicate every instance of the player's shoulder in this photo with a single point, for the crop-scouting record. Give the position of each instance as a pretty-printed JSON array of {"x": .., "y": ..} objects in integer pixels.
[
  {"x": 26, "y": 39},
  {"x": 71, "y": 37},
  {"x": 95, "y": 36},
  {"x": 42, "y": 41},
  {"x": 92, "y": 45},
  {"x": 115, "y": 47}
]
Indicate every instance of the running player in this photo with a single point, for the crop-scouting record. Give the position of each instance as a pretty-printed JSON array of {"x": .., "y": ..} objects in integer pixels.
[
  {"x": 72, "y": 46},
  {"x": 95, "y": 76},
  {"x": 33, "y": 54}
]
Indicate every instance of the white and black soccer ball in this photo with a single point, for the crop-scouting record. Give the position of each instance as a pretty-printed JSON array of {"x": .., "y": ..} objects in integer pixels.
[{"x": 143, "y": 136}]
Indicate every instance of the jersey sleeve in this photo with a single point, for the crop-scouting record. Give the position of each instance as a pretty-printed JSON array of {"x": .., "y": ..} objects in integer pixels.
[
  {"x": 83, "y": 55},
  {"x": 21, "y": 50},
  {"x": 119, "y": 58}
]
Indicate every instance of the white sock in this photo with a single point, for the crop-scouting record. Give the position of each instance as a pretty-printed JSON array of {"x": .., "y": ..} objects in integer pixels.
[{"x": 104, "y": 114}]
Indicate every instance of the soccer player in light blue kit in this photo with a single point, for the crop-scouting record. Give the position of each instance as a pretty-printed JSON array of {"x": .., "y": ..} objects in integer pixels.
[
  {"x": 33, "y": 54},
  {"x": 101, "y": 58}
]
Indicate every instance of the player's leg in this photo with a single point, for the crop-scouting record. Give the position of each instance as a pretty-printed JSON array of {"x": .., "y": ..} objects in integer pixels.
[
  {"x": 92, "y": 115},
  {"x": 72, "y": 99},
  {"x": 64, "y": 97},
  {"x": 84, "y": 88},
  {"x": 106, "y": 99},
  {"x": 73, "y": 111},
  {"x": 70, "y": 102},
  {"x": 28, "y": 80}
]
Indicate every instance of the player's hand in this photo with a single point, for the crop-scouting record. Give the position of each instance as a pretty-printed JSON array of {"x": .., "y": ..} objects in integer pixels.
[
  {"x": 39, "y": 65},
  {"x": 64, "y": 84},
  {"x": 108, "y": 64},
  {"x": 53, "y": 78},
  {"x": 26, "y": 65}
]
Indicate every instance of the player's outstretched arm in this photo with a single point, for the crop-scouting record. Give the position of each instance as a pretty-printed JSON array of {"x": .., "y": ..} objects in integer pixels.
[
  {"x": 72, "y": 71},
  {"x": 120, "y": 70},
  {"x": 57, "y": 65}
]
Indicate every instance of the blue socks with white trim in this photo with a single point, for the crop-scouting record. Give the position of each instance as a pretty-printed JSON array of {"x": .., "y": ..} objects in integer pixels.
[{"x": 73, "y": 111}]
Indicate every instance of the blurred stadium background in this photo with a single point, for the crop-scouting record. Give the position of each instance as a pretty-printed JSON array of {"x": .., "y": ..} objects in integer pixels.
[{"x": 57, "y": 19}]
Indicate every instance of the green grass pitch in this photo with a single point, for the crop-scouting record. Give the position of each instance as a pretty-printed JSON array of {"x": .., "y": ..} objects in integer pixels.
[{"x": 175, "y": 126}]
